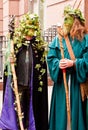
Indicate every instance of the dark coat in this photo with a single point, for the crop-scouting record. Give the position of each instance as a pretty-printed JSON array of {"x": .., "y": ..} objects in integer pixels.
[{"x": 26, "y": 60}]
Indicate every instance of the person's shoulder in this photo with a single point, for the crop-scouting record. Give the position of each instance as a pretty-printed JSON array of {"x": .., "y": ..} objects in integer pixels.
[
  {"x": 86, "y": 35},
  {"x": 86, "y": 39},
  {"x": 54, "y": 43}
]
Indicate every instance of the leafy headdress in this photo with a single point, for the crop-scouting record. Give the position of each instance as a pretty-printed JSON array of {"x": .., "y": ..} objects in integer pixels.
[
  {"x": 29, "y": 26},
  {"x": 68, "y": 10},
  {"x": 73, "y": 16}
]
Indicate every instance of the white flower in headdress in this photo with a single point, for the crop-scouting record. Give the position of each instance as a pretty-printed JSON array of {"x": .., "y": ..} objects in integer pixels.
[{"x": 31, "y": 16}]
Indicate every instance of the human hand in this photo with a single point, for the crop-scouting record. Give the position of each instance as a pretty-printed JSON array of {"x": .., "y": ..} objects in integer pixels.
[
  {"x": 65, "y": 63},
  {"x": 12, "y": 58}
]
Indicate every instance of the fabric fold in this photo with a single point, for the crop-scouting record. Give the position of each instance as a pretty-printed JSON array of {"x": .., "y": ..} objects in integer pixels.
[
  {"x": 8, "y": 114},
  {"x": 31, "y": 113}
]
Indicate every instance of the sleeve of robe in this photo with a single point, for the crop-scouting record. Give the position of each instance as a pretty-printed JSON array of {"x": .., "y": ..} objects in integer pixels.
[
  {"x": 82, "y": 63},
  {"x": 53, "y": 59}
]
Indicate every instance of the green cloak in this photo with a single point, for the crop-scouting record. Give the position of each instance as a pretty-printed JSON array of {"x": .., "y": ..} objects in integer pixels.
[{"x": 58, "y": 112}]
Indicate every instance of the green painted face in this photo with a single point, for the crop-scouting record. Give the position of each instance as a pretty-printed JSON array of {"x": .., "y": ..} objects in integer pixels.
[{"x": 68, "y": 22}]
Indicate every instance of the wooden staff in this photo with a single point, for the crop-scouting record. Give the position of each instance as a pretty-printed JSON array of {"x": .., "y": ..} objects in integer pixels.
[
  {"x": 79, "y": 4},
  {"x": 65, "y": 85},
  {"x": 12, "y": 62},
  {"x": 74, "y": 3},
  {"x": 15, "y": 88}
]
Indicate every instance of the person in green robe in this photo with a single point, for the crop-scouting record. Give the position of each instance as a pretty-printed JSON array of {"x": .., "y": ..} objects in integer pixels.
[{"x": 76, "y": 71}]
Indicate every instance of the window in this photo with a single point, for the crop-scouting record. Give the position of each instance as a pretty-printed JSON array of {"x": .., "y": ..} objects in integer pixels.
[{"x": 2, "y": 46}]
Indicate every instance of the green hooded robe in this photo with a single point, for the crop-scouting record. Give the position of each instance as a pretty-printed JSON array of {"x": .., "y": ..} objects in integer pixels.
[{"x": 58, "y": 112}]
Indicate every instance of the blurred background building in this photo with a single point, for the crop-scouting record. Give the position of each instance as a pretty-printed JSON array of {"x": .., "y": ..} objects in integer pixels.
[{"x": 49, "y": 11}]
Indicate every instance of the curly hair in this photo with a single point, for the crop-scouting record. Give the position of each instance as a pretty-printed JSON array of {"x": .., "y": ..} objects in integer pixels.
[{"x": 78, "y": 29}]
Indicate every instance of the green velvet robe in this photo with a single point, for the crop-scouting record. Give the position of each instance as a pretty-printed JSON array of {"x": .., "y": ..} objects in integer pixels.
[{"x": 58, "y": 112}]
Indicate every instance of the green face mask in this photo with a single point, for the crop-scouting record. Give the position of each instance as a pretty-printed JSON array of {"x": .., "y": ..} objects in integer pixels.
[{"x": 68, "y": 22}]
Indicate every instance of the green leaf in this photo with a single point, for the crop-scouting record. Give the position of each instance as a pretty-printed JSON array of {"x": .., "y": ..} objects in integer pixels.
[
  {"x": 37, "y": 66},
  {"x": 43, "y": 71},
  {"x": 41, "y": 83},
  {"x": 40, "y": 89}
]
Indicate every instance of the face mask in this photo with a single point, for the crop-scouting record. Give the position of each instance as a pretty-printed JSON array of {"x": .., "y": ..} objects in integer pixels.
[{"x": 68, "y": 22}]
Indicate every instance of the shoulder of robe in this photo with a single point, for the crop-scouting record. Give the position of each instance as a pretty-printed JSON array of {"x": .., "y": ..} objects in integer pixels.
[
  {"x": 55, "y": 43},
  {"x": 86, "y": 40}
]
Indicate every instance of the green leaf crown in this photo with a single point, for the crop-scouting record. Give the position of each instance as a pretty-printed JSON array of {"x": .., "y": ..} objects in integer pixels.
[
  {"x": 29, "y": 26},
  {"x": 68, "y": 10}
]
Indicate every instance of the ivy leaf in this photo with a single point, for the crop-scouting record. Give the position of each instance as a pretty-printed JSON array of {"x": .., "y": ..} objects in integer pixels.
[
  {"x": 41, "y": 83},
  {"x": 40, "y": 77},
  {"x": 37, "y": 66},
  {"x": 43, "y": 71},
  {"x": 40, "y": 89}
]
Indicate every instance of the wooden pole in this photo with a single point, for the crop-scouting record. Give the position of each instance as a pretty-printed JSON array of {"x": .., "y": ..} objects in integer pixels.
[
  {"x": 15, "y": 88},
  {"x": 74, "y": 4},
  {"x": 79, "y": 4},
  {"x": 65, "y": 85}
]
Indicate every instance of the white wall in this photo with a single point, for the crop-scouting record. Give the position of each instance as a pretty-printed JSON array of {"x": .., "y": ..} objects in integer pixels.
[{"x": 54, "y": 10}]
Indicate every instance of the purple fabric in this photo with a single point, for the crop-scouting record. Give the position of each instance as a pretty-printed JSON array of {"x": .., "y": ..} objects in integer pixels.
[
  {"x": 8, "y": 115},
  {"x": 8, "y": 119},
  {"x": 31, "y": 114}
]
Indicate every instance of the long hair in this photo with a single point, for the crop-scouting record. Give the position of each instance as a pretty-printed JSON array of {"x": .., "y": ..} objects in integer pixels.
[{"x": 78, "y": 29}]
